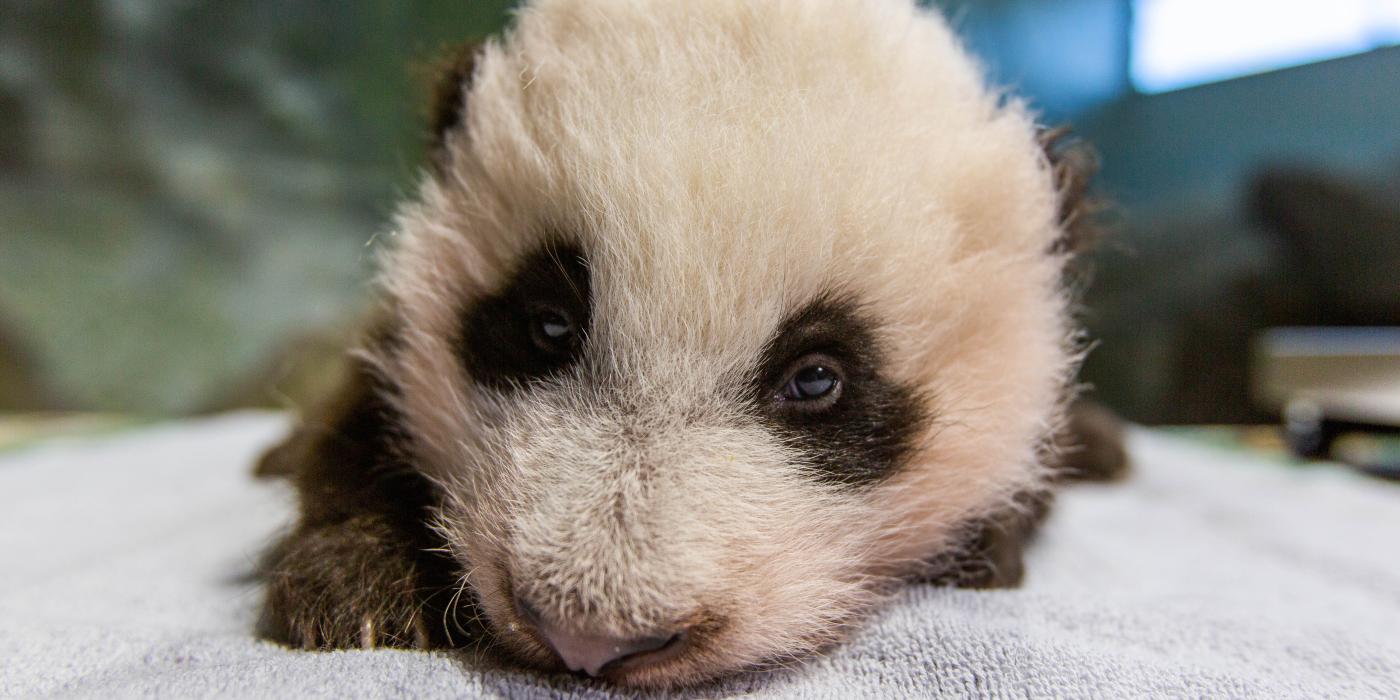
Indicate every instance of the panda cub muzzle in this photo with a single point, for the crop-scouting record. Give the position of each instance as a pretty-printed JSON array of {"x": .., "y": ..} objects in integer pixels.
[{"x": 709, "y": 326}]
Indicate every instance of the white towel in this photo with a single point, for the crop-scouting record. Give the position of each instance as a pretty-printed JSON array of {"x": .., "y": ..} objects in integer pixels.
[{"x": 124, "y": 568}]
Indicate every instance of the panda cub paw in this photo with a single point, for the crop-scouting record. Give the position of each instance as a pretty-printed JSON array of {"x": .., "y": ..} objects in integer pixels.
[{"x": 351, "y": 585}]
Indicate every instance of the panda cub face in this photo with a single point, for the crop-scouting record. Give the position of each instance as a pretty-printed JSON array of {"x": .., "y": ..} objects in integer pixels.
[{"x": 715, "y": 319}]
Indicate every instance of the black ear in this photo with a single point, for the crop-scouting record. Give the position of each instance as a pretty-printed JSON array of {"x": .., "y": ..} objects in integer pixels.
[
  {"x": 451, "y": 80},
  {"x": 1073, "y": 163}
]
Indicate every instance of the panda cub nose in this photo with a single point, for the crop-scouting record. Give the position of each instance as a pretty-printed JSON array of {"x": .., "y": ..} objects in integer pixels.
[{"x": 596, "y": 654}]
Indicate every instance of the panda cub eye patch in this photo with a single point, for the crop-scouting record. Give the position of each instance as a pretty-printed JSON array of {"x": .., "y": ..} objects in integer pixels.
[
  {"x": 534, "y": 325},
  {"x": 826, "y": 392}
]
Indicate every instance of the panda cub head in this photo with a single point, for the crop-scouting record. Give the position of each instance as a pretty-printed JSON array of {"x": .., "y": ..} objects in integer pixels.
[{"x": 712, "y": 320}]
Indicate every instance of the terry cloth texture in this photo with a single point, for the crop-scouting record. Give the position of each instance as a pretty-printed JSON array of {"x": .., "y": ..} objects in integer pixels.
[{"x": 125, "y": 571}]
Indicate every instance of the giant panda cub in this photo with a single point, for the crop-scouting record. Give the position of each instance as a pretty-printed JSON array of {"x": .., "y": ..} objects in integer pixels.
[{"x": 709, "y": 325}]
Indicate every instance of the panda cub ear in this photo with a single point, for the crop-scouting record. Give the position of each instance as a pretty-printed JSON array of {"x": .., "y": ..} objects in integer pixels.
[
  {"x": 1073, "y": 164},
  {"x": 451, "y": 76}
]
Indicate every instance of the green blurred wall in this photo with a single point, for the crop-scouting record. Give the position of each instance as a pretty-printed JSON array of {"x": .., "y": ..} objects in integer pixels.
[{"x": 187, "y": 190}]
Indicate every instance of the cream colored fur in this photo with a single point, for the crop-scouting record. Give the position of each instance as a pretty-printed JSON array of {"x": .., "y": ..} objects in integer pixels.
[{"x": 724, "y": 163}]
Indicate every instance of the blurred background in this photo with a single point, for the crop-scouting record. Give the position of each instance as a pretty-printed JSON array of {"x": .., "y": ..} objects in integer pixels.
[{"x": 190, "y": 192}]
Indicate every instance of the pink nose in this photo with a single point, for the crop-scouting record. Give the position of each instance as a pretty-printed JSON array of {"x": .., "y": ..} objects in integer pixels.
[{"x": 594, "y": 654}]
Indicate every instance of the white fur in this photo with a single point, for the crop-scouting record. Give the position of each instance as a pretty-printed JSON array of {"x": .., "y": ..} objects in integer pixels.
[{"x": 723, "y": 163}]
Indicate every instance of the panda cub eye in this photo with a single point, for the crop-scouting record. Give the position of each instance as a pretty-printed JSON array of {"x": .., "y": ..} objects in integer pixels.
[
  {"x": 553, "y": 330},
  {"x": 814, "y": 384}
]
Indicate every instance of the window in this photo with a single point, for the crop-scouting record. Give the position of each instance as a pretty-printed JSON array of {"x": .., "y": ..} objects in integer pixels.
[{"x": 1179, "y": 43}]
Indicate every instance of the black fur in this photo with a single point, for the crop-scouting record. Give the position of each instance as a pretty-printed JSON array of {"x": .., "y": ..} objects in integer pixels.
[
  {"x": 866, "y": 434},
  {"x": 1073, "y": 164},
  {"x": 452, "y": 77},
  {"x": 361, "y": 567},
  {"x": 495, "y": 342}
]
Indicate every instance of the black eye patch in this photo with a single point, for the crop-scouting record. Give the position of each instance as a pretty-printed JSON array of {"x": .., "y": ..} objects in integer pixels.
[
  {"x": 863, "y": 435},
  {"x": 534, "y": 325}
]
